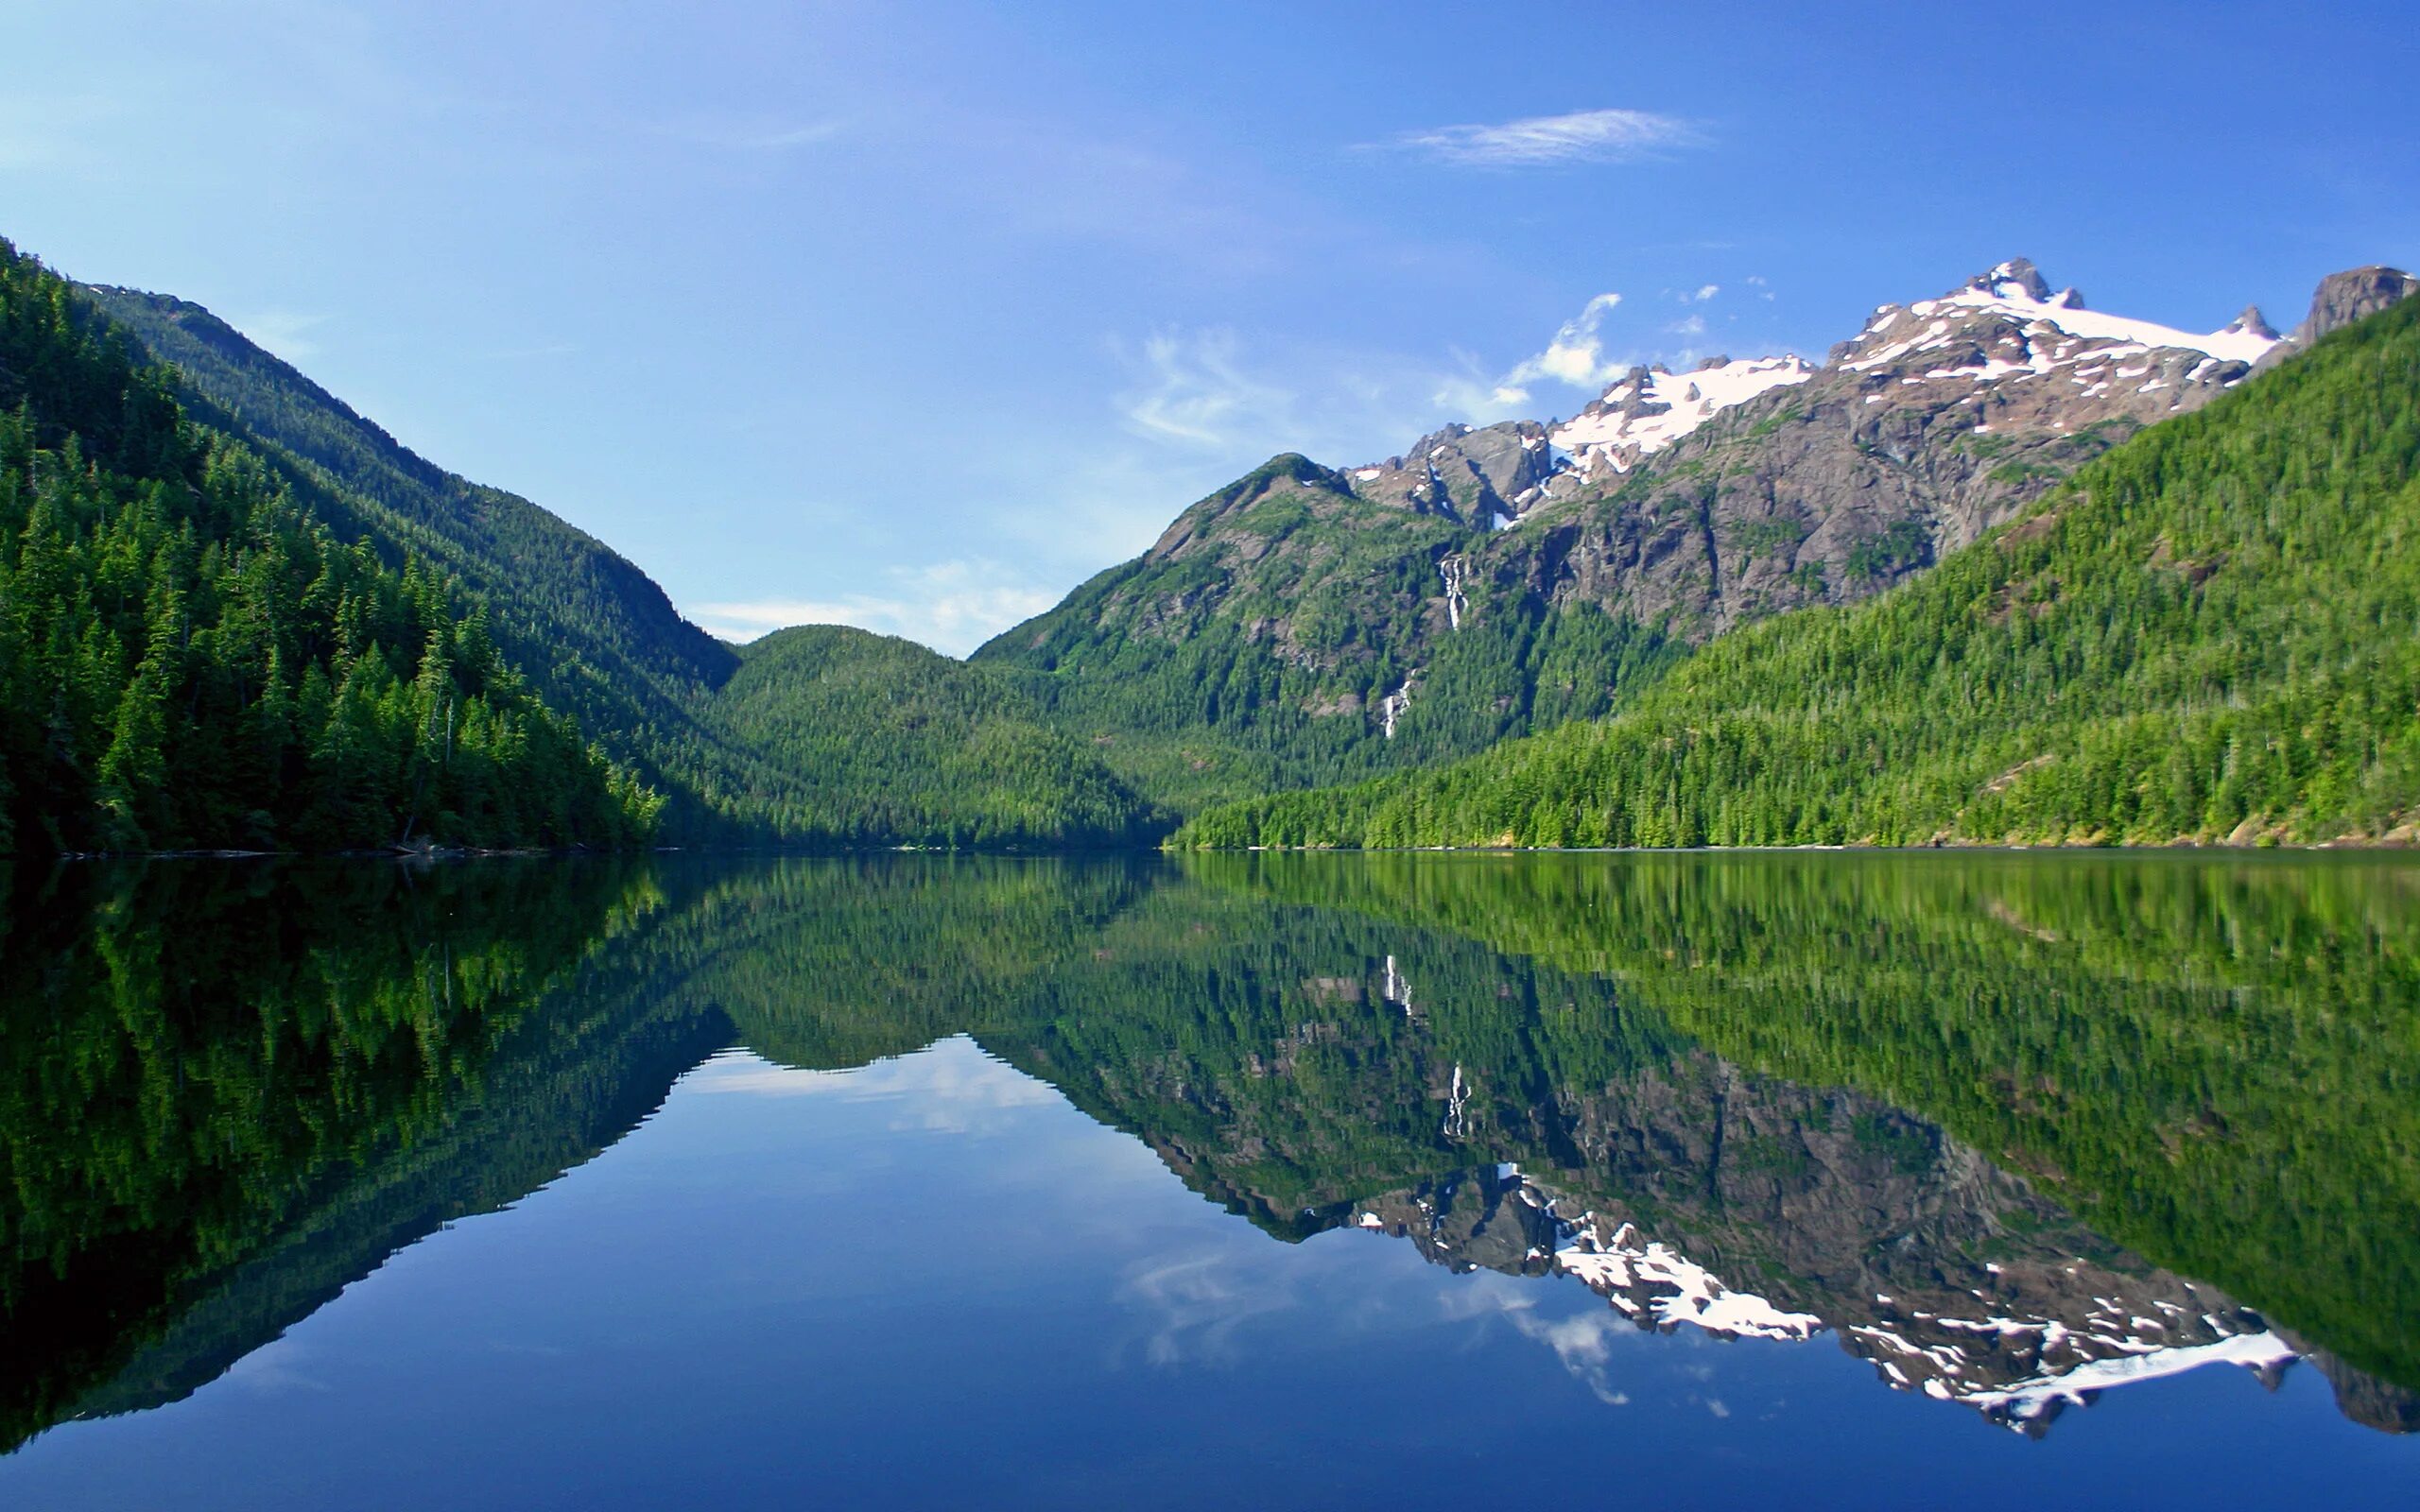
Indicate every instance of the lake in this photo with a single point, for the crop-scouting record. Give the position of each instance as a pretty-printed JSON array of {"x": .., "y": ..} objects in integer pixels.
[{"x": 1680, "y": 1181}]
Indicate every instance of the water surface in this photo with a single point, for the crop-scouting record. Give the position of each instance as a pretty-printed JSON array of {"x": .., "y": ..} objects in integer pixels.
[{"x": 1274, "y": 1182}]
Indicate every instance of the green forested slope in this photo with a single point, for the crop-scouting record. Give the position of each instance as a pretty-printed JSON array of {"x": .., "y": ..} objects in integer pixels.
[
  {"x": 246, "y": 1084},
  {"x": 598, "y": 638},
  {"x": 893, "y": 743},
  {"x": 1251, "y": 649},
  {"x": 813, "y": 738},
  {"x": 2213, "y": 633},
  {"x": 187, "y": 660}
]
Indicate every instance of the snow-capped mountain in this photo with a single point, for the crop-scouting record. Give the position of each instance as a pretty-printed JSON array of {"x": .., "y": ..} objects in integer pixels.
[
  {"x": 1677, "y": 506},
  {"x": 1652, "y": 407}
]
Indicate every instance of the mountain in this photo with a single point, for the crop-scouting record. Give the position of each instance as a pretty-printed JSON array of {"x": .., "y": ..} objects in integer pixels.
[
  {"x": 2207, "y": 634},
  {"x": 190, "y": 659},
  {"x": 1305, "y": 625},
  {"x": 1310, "y": 625},
  {"x": 794, "y": 741},
  {"x": 593, "y": 633},
  {"x": 896, "y": 743}
]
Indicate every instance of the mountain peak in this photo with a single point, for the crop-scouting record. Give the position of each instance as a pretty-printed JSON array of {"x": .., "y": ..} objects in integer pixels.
[
  {"x": 2016, "y": 278},
  {"x": 2252, "y": 323},
  {"x": 2344, "y": 298},
  {"x": 2016, "y": 282}
]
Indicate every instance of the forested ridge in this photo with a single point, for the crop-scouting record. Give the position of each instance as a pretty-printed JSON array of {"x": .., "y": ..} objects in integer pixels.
[
  {"x": 189, "y": 660},
  {"x": 1171, "y": 664},
  {"x": 245, "y": 1078},
  {"x": 2211, "y": 633},
  {"x": 2164, "y": 1044},
  {"x": 892, "y": 740},
  {"x": 854, "y": 744}
]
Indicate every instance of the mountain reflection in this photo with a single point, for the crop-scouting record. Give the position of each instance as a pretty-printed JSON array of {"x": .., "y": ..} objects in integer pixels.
[{"x": 2015, "y": 1130}]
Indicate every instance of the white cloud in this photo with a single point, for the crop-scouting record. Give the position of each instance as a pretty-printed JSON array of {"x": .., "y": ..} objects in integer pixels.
[
  {"x": 1583, "y": 1341},
  {"x": 950, "y": 1086},
  {"x": 951, "y": 606},
  {"x": 1700, "y": 295},
  {"x": 1199, "y": 1303},
  {"x": 1206, "y": 395},
  {"x": 1543, "y": 141},
  {"x": 1692, "y": 326},
  {"x": 1576, "y": 356}
]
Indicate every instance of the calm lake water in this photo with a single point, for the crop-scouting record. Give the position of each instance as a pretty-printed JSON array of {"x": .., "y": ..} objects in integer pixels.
[{"x": 1855, "y": 1180}]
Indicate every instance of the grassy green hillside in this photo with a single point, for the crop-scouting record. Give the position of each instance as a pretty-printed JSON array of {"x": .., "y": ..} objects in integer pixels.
[
  {"x": 894, "y": 744},
  {"x": 2211, "y": 633}
]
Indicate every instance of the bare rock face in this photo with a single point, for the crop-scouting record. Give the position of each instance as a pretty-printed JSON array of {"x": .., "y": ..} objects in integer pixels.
[
  {"x": 1938, "y": 421},
  {"x": 1791, "y": 1212},
  {"x": 1481, "y": 478},
  {"x": 2252, "y": 322},
  {"x": 2343, "y": 298}
]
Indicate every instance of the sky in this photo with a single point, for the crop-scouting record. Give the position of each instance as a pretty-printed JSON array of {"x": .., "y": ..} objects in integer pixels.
[{"x": 915, "y": 314}]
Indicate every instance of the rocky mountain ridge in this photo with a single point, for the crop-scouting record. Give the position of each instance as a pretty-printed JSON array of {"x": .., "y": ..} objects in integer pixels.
[{"x": 1387, "y": 614}]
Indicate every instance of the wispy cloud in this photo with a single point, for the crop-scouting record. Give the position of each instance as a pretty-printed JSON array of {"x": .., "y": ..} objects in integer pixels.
[
  {"x": 951, "y": 606},
  {"x": 1547, "y": 141},
  {"x": 1199, "y": 1303},
  {"x": 749, "y": 133},
  {"x": 1699, "y": 294},
  {"x": 287, "y": 333},
  {"x": 1193, "y": 389},
  {"x": 1209, "y": 394}
]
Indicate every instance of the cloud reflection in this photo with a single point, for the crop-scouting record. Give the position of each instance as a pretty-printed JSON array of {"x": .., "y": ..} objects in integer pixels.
[
  {"x": 1584, "y": 1341},
  {"x": 1198, "y": 1304}
]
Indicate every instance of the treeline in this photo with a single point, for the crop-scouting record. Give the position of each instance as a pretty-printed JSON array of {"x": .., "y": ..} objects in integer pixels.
[
  {"x": 186, "y": 661},
  {"x": 595, "y": 638},
  {"x": 2211, "y": 633}
]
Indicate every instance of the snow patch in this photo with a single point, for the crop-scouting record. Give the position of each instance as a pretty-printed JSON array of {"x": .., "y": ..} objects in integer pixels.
[
  {"x": 1616, "y": 1264},
  {"x": 1636, "y": 418},
  {"x": 2030, "y": 1399}
]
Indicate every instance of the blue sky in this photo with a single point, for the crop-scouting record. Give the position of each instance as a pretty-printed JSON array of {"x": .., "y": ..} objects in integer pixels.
[{"x": 914, "y": 314}]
